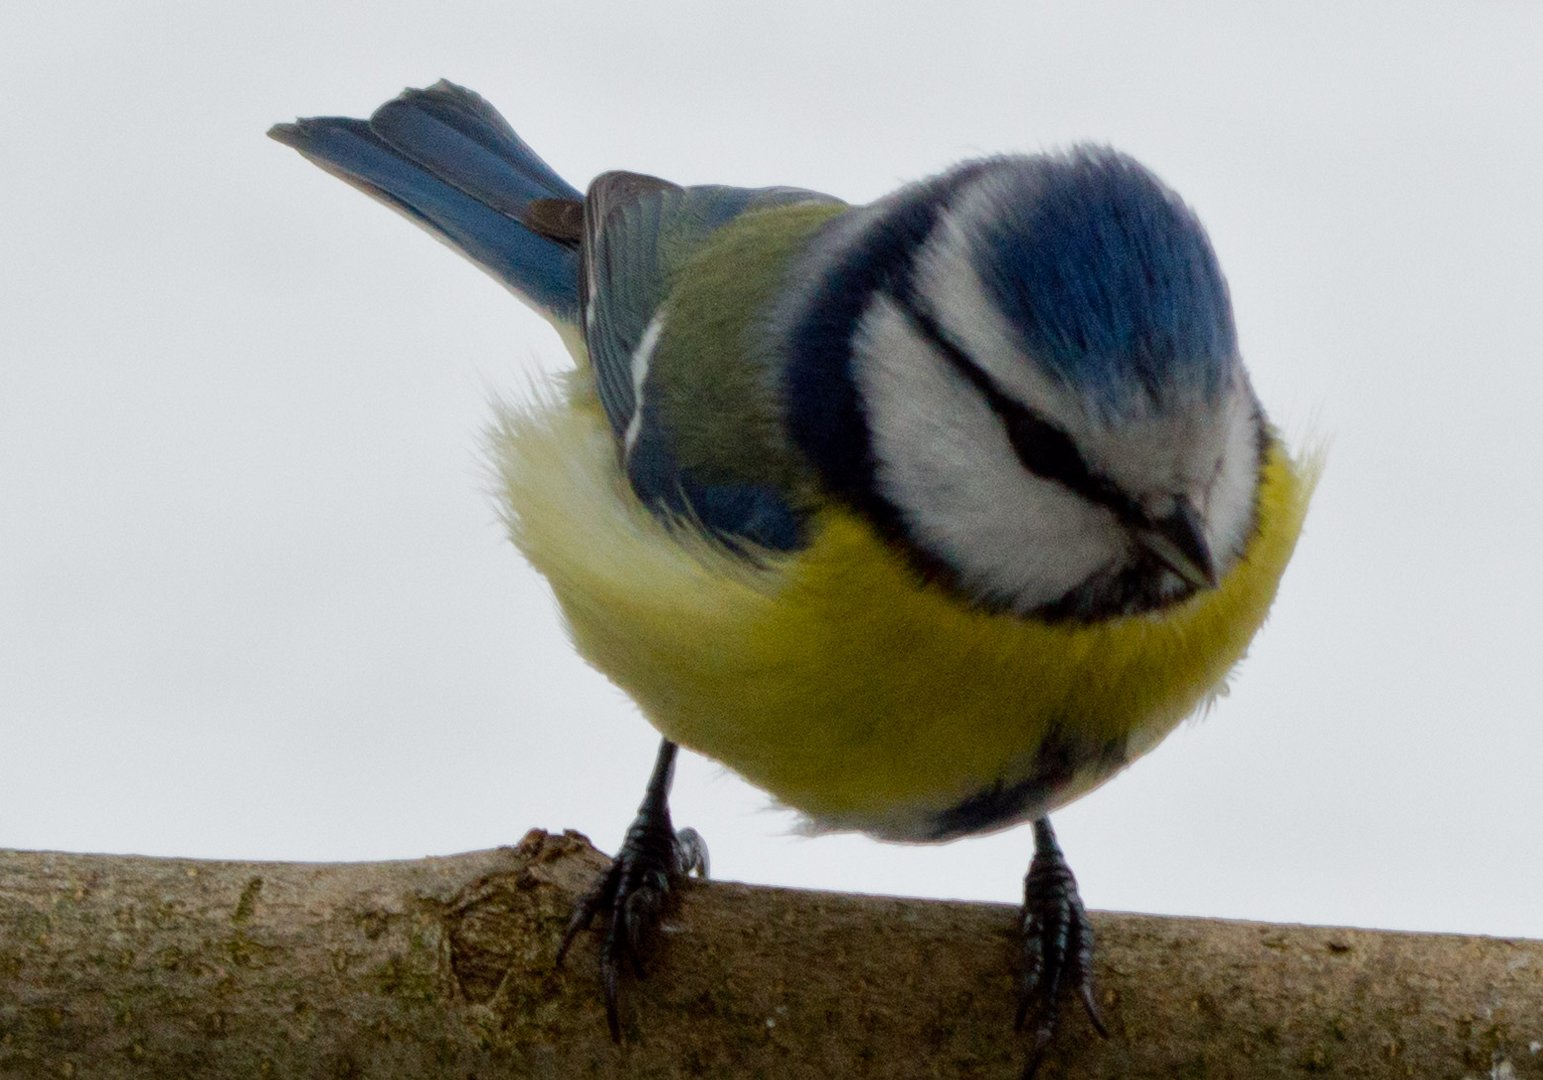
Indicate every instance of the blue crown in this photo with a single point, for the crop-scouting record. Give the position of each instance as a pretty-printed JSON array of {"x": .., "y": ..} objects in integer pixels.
[{"x": 1107, "y": 276}]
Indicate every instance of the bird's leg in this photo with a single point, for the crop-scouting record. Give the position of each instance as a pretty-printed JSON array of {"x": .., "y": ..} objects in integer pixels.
[
  {"x": 1057, "y": 944},
  {"x": 653, "y": 859}
]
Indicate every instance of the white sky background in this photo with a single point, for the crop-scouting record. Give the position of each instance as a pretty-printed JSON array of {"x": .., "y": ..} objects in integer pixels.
[{"x": 254, "y": 598}]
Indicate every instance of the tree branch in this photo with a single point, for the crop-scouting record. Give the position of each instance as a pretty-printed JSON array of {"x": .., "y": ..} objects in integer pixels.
[{"x": 124, "y": 966}]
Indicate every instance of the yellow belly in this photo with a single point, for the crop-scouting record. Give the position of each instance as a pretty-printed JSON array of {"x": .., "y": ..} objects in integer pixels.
[{"x": 834, "y": 679}]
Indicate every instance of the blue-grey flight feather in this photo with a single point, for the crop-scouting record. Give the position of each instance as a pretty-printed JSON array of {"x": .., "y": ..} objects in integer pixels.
[{"x": 451, "y": 164}]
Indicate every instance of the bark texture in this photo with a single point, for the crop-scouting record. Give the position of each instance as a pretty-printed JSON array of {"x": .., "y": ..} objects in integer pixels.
[{"x": 132, "y": 967}]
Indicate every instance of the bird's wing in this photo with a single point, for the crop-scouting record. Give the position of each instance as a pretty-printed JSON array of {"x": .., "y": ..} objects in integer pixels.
[
  {"x": 638, "y": 234},
  {"x": 633, "y": 234}
]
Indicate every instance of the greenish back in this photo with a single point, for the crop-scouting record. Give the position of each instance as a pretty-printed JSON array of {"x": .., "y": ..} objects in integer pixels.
[{"x": 715, "y": 375}]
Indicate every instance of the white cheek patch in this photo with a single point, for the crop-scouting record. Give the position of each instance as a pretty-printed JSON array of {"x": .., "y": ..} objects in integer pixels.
[
  {"x": 944, "y": 460},
  {"x": 1229, "y": 503}
]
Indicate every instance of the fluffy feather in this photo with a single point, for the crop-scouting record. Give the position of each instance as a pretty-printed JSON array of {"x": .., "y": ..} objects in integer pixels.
[{"x": 833, "y": 678}]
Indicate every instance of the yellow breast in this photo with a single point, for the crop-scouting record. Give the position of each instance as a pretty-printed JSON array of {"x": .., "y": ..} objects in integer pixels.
[{"x": 839, "y": 683}]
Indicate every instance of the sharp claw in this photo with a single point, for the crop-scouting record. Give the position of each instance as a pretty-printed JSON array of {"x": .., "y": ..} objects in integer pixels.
[
  {"x": 562, "y": 947},
  {"x": 1085, "y": 991},
  {"x": 632, "y": 944},
  {"x": 1057, "y": 947},
  {"x": 584, "y": 914},
  {"x": 633, "y": 894}
]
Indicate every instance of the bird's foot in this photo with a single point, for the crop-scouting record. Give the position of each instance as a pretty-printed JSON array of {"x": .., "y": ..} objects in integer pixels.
[
  {"x": 1057, "y": 946},
  {"x": 633, "y": 895}
]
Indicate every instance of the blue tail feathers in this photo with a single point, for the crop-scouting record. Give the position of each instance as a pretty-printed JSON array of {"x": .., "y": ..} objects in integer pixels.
[{"x": 449, "y": 162}]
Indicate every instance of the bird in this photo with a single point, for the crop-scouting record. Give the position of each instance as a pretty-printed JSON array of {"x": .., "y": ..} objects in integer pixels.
[{"x": 926, "y": 515}]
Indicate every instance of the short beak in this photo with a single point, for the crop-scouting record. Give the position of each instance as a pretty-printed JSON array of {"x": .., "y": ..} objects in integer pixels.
[{"x": 1178, "y": 542}]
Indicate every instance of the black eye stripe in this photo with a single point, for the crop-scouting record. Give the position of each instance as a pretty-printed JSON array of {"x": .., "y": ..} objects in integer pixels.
[{"x": 1042, "y": 447}]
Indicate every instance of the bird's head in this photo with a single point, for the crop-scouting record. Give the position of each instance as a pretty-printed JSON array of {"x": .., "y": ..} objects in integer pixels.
[{"x": 1049, "y": 404}]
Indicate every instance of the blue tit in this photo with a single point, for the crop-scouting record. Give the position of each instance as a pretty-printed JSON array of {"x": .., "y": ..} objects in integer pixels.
[{"x": 926, "y": 516}]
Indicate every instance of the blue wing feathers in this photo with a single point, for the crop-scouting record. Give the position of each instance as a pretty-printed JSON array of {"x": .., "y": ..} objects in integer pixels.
[
  {"x": 444, "y": 158},
  {"x": 640, "y": 235},
  {"x": 745, "y": 516},
  {"x": 631, "y": 283},
  {"x": 458, "y": 135}
]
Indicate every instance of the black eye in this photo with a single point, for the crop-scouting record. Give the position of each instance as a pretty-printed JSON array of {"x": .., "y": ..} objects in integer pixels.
[
  {"x": 1047, "y": 451},
  {"x": 1043, "y": 448}
]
